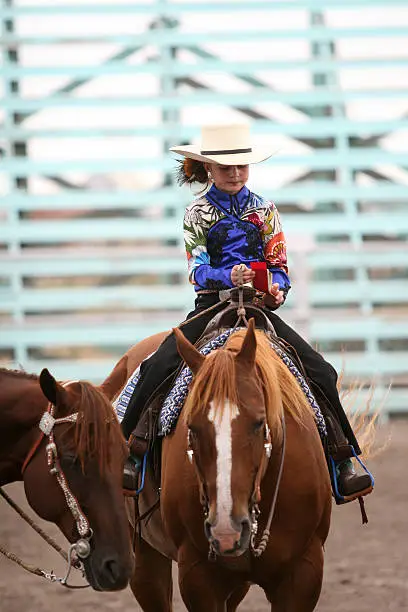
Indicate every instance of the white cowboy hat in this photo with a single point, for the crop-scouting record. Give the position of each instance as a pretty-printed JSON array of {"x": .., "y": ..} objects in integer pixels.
[{"x": 229, "y": 145}]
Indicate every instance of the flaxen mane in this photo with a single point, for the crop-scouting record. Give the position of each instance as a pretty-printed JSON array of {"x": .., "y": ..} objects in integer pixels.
[{"x": 216, "y": 382}]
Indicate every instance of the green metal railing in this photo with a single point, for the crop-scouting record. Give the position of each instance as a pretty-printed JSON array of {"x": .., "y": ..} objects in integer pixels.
[{"x": 91, "y": 253}]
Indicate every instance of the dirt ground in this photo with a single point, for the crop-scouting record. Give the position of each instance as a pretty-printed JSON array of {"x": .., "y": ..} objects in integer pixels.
[{"x": 366, "y": 567}]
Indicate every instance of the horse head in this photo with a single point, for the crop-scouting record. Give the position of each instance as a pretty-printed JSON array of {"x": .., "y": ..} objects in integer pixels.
[
  {"x": 73, "y": 474},
  {"x": 228, "y": 437}
]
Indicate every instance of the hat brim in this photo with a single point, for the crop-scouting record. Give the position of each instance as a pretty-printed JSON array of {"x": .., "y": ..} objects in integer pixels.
[{"x": 256, "y": 156}]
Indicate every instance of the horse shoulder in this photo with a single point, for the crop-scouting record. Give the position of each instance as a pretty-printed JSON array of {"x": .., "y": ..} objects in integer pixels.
[
  {"x": 307, "y": 477},
  {"x": 140, "y": 351}
]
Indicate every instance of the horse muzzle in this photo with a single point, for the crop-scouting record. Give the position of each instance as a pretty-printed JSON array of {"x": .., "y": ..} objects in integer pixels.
[
  {"x": 107, "y": 572},
  {"x": 232, "y": 541}
]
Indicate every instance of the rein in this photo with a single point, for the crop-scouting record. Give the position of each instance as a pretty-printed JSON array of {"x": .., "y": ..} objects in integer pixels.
[
  {"x": 204, "y": 312},
  {"x": 81, "y": 548},
  {"x": 51, "y": 576},
  {"x": 258, "y": 550}
]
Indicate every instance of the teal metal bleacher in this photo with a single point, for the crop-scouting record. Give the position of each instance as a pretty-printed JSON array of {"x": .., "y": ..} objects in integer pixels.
[{"x": 91, "y": 253}]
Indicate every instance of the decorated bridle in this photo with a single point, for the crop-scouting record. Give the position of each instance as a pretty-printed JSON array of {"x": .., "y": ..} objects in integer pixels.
[
  {"x": 81, "y": 547},
  {"x": 255, "y": 496}
]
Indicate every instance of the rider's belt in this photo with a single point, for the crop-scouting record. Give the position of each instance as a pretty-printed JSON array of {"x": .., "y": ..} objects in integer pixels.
[
  {"x": 211, "y": 296},
  {"x": 206, "y": 298},
  {"x": 223, "y": 294}
]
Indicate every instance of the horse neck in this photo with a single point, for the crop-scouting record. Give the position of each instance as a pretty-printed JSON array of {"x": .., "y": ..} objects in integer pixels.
[
  {"x": 21, "y": 401},
  {"x": 21, "y": 406}
]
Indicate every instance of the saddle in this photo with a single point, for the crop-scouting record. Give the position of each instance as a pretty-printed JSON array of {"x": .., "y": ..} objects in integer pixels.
[
  {"x": 235, "y": 315},
  {"x": 230, "y": 316}
]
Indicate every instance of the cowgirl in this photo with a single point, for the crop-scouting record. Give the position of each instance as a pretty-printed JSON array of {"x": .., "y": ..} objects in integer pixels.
[{"x": 224, "y": 231}]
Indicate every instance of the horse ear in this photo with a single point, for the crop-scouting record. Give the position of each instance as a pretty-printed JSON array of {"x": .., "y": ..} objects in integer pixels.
[
  {"x": 193, "y": 358},
  {"x": 116, "y": 379},
  {"x": 247, "y": 354},
  {"x": 50, "y": 387}
]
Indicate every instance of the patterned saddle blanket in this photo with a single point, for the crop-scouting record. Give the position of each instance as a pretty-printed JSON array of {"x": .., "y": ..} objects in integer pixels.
[{"x": 174, "y": 401}]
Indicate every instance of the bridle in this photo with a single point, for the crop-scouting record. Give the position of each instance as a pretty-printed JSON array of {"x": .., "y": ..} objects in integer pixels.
[
  {"x": 255, "y": 495},
  {"x": 81, "y": 547},
  {"x": 253, "y": 505}
]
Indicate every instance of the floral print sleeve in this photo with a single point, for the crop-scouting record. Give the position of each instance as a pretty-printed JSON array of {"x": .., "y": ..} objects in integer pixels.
[
  {"x": 274, "y": 244},
  {"x": 222, "y": 230},
  {"x": 198, "y": 219}
]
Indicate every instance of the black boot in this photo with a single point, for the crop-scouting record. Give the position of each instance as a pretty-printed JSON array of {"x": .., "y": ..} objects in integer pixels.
[
  {"x": 349, "y": 483},
  {"x": 345, "y": 479},
  {"x": 140, "y": 441}
]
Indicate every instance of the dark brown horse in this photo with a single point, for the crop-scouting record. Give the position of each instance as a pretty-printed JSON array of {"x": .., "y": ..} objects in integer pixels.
[
  {"x": 66, "y": 445},
  {"x": 214, "y": 509}
]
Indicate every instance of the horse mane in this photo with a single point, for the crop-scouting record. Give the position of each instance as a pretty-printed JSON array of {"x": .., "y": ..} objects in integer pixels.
[
  {"x": 97, "y": 431},
  {"x": 216, "y": 382}
]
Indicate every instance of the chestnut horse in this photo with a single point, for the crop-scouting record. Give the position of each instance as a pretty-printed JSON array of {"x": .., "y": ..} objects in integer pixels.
[
  {"x": 214, "y": 509},
  {"x": 64, "y": 442}
]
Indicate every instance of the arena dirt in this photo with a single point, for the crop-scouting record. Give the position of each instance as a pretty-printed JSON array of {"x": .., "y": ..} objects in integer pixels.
[{"x": 366, "y": 567}]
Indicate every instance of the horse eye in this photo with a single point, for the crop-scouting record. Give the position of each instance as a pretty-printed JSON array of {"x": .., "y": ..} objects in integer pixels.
[
  {"x": 69, "y": 460},
  {"x": 259, "y": 424}
]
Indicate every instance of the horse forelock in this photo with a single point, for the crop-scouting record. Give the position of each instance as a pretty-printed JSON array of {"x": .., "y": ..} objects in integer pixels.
[
  {"x": 97, "y": 432},
  {"x": 216, "y": 382}
]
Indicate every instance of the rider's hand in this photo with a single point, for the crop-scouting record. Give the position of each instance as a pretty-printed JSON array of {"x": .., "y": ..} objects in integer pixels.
[
  {"x": 241, "y": 274},
  {"x": 275, "y": 298}
]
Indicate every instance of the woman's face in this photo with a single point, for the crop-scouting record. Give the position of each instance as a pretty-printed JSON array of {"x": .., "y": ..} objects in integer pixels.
[{"x": 230, "y": 179}]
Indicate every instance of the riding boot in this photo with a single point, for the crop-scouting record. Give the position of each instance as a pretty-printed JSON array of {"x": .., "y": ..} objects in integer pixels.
[
  {"x": 140, "y": 441},
  {"x": 132, "y": 468},
  {"x": 349, "y": 484}
]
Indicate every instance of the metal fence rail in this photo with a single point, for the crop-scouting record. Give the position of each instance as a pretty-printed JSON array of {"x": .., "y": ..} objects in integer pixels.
[{"x": 91, "y": 253}]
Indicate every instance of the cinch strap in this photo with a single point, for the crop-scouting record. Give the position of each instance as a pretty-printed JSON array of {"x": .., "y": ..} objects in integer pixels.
[{"x": 226, "y": 151}]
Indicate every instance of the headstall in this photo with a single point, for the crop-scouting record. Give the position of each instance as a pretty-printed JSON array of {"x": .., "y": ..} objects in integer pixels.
[
  {"x": 255, "y": 496},
  {"x": 81, "y": 547}
]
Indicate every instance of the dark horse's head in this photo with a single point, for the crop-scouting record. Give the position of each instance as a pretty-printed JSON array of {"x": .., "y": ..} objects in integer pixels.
[
  {"x": 91, "y": 452},
  {"x": 232, "y": 412}
]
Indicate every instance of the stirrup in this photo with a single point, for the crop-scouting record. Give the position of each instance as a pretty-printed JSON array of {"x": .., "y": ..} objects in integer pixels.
[
  {"x": 142, "y": 475},
  {"x": 344, "y": 499}
]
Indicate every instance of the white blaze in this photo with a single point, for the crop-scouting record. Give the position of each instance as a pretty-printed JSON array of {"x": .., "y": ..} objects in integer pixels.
[{"x": 223, "y": 445}]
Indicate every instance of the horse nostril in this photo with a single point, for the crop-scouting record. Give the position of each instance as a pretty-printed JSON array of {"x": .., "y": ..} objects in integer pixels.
[
  {"x": 245, "y": 533},
  {"x": 112, "y": 570}
]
